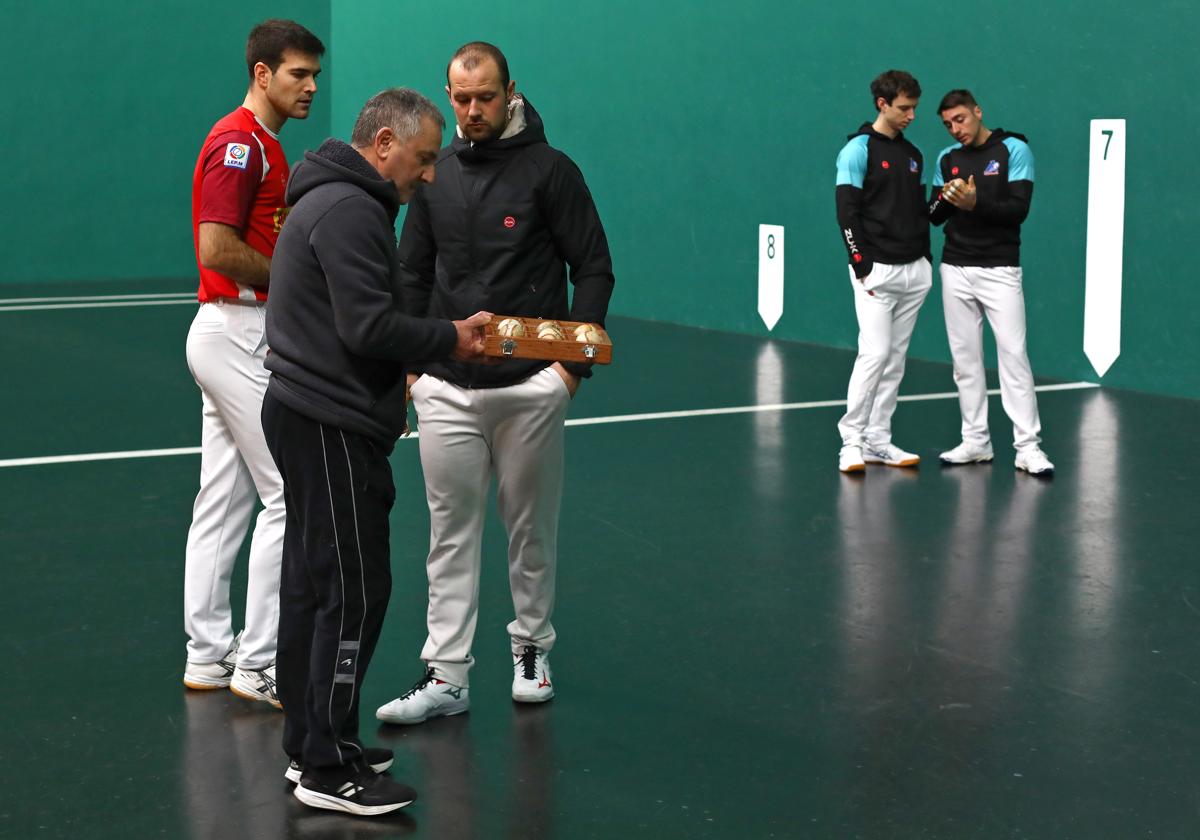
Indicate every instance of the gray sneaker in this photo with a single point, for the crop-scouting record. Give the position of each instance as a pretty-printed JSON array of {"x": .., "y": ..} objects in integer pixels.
[{"x": 430, "y": 697}]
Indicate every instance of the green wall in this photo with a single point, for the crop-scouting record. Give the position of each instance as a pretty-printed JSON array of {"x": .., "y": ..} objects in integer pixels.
[
  {"x": 693, "y": 123},
  {"x": 103, "y": 116},
  {"x": 696, "y": 122}
]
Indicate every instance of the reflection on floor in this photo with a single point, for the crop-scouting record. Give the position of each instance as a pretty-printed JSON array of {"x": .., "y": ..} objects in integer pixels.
[{"x": 751, "y": 644}]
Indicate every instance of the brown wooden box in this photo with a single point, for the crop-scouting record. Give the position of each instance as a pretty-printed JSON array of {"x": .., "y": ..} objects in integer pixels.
[{"x": 529, "y": 346}]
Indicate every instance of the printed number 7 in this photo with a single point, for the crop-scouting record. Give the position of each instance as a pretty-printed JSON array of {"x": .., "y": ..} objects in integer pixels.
[{"x": 1106, "y": 142}]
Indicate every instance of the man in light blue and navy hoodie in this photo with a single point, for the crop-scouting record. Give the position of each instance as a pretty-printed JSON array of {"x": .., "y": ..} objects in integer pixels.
[
  {"x": 982, "y": 189},
  {"x": 884, "y": 220}
]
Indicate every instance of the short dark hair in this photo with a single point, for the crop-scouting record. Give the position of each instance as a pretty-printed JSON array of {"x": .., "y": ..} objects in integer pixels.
[
  {"x": 891, "y": 84},
  {"x": 956, "y": 97},
  {"x": 475, "y": 52},
  {"x": 400, "y": 109},
  {"x": 270, "y": 38}
]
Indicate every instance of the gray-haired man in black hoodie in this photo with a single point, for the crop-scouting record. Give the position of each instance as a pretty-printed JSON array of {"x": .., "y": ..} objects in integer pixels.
[{"x": 340, "y": 346}]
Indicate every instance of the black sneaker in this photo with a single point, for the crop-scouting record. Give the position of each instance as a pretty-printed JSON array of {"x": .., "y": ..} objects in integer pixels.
[
  {"x": 365, "y": 793},
  {"x": 378, "y": 759}
]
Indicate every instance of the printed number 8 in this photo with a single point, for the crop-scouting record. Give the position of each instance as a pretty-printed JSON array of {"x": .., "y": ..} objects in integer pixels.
[{"x": 770, "y": 246}]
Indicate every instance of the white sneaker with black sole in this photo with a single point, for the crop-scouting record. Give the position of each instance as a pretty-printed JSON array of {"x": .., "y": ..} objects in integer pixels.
[
  {"x": 365, "y": 793},
  {"x": 890, "y": 455},
  {"x": 377, "y": 758},
  {"x": 1034, "y": 461},
  {"x": 430, "y": 697},
  {"x": 215, "y": 674},
  {"x": 256, "y": 684},
  {"x": 531, "y": 676},
  {"x": 968, "y": 453}
]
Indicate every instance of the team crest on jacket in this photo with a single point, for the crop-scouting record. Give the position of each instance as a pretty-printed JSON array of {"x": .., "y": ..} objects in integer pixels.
[
  {"x": 510, "y": 222},
  {"x": 912, "y": 165},
  {"x": 993, "y": 168}
]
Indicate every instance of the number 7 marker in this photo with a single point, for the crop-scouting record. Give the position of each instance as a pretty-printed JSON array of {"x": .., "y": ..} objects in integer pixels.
[{"x": 1105, "y": 241}]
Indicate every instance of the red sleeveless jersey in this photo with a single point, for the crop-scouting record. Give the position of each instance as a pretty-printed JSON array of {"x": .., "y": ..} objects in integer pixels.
[{"x": 239, "y": 181}]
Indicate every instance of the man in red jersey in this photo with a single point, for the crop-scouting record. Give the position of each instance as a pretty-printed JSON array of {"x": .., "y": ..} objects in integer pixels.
[{"x": 237, "y": 212}]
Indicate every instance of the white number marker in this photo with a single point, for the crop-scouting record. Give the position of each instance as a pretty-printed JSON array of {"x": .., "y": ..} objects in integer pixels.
[
  {"x": 1105, "y": 240},
  {"x": 770, "y": 274}
]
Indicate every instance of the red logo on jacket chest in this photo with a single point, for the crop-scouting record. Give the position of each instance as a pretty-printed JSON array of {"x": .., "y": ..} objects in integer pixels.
[
  {"x": 886, "y": 165},
  {"x": 510, "y": 222}
]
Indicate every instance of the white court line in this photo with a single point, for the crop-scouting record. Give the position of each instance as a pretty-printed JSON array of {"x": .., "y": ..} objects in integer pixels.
[
  {"x": 189, "y": 299},
  {"x": 582, "y": 421},
  {"x": 77, "y": 298}
]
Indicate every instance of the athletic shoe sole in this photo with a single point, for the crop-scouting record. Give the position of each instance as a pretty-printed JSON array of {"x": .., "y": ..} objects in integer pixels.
[
  {"x": 335, "y": 803},
  {"x": 533, "y": 698},
  {"x": 855, "y": 468},
  {"x": 249, "y": 694},
  {"x": 907, "y": 462},
  {"x": 1039, "y": 473},
  {"x": 205, "y": 683},
  {"x": 985, "y": 460},
  {"x": 432, "y": 713}
]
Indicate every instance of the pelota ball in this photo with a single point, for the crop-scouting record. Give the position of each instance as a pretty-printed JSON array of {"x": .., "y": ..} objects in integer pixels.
[{"x": 510, "y": 327}]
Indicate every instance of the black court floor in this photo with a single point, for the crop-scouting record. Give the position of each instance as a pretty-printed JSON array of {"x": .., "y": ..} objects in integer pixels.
[{"x": 751, "y": 645}]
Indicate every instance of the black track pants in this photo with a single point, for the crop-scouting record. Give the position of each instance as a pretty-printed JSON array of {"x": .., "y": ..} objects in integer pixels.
[{"x": 335, "y": 582}]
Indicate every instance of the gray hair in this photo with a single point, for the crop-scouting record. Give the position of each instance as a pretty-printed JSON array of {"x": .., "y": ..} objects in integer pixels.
[{"x": 400, "y": 109}]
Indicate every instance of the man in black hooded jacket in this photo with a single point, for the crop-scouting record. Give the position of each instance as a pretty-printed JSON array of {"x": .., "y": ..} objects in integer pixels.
[
  {"x": 334, "y": 406},
  {"x": 498, "y": 231}
]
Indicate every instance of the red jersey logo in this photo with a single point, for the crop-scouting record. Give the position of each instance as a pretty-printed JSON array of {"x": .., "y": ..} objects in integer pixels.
[
  {"x": 886, "y": 165},
  {"x": 510, "y": 222}
]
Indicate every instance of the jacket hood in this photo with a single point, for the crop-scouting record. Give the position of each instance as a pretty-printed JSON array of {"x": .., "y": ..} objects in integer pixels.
[
  {"x": 869, "y": 130},
  {"x": 998, "y": 135},
  {"x": 337, "y": 162},
  {"x": 534, "y": 132}
]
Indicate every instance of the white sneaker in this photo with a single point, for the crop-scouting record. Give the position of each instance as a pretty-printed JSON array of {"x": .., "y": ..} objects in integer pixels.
[
  {"x": 256, "y": 684},
  {"x": 531, "y": 676},
  {"x": 967, "y": 453},
  {"x": 1034, "y": 461},
  {"x": 850, "y": 459},
  {"x": 430, "y": 697},
  {"x": 214, "y": 675},
  {"x": 889, "y": 454}
]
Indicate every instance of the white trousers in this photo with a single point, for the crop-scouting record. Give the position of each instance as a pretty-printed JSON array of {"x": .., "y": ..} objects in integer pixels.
[
  {"x": 467, "y": 436},
  {"x": 226, "y": 346},
  {"x": 887, "y": 302},
  {"x": 968, "y": 294}
]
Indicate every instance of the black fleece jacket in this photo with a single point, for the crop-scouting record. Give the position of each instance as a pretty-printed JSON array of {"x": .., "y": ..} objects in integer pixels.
[
  {"x": 339, "y": 339},
  {"x": 880, "y": 202},
  {"x": 989, "y": 235},
  {"x": 496, "y": 231}
]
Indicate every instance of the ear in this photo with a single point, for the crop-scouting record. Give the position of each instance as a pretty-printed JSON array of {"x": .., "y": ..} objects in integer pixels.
[
  {"x": 880, "y": 103},
  {"x": 512, "y": 88},
  {"x": 262, "y": 74},
  {"x": 384, "y": 141}
]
